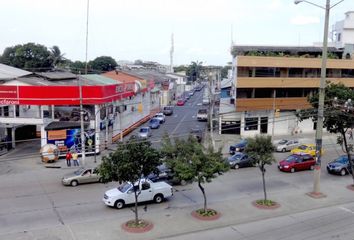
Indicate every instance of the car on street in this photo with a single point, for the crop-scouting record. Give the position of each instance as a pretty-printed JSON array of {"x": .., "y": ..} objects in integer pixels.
[
  {"x": 202, "y": 115},
  {"x": 239, "y": 160},
  {"x": 285, "y": 145},
  {"x": 297, "y": 162},
  {"x": 191, "y": 93},
  {"x": 163, "y": 174},
  {"x": 239, "y": 147},
  {"x": 160, "y": 117},
  {"x": 144, "y": 132},
  {"x": 180, "y": 102},
  {"x": 197, "y": 134},
  {"x": 149, "y": 191},
  {"x": 306, "y": 149},
  {"x": 168, "y": 110},
  {"x": 339, "y": 166},
  {"x": 80, "y": 176},
  {"x": 154, "y": 123}
]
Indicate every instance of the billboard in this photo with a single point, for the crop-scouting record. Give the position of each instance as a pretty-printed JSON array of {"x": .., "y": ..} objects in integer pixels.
[{"x": 70, "y": 139}]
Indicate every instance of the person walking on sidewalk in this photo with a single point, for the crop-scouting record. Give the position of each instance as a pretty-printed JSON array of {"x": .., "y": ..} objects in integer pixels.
[
  {"x": 75, "y": 159},
  {"x": 68, "y": 157}
]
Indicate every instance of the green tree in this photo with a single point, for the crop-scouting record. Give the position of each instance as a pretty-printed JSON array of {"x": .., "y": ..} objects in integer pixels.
[
  {"x": 194, "y": 70},
  {"x": 224, "y": 71},
  {"x": 30, "y": 56},
  {"x": 338, "y": 118},
  {"x": 129, "y": 163},
  {"x": 102, "y": 64},
  {"x": 77, "y": 67},
  {"x": 261, "y": 150},
  {"x": 180, "y": 68},
  {"x": 189, "y": 161},
  {"x": 56, "y": 56}
]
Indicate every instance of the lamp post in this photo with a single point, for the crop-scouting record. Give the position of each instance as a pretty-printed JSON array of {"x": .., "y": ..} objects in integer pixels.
[{"x": 319, "y": 127}]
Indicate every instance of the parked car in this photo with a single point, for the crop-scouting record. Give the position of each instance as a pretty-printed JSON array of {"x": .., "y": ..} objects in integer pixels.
[
  {"x": 339, "y": 166},
  {"x": 145, "y": 132},
  {"x": 240, "y": 160},
  {"x": 80, "y": 176},
  {"x": 160, "y": 117},
  {"x": 180, "y": 102},
  {"x": 154, "y": 123},
  {"x": 164, "y": 174},
  {"x": 124, "y": 194},
  {"x": 168, "y": 110},
  {"x": 286, "y": 145},
  {"x": 296, "y": 162},
  {"x": 197, "y": 133},
  {"x": 202, "y": 115},
  {"x": 306, "y": 149},
  {"x": 191, "y": 93},
  {"x": 239, "y": 147}
]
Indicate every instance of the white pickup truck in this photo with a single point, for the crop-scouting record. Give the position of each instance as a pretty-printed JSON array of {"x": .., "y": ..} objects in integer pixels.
[{"x": 124, "y": 194}]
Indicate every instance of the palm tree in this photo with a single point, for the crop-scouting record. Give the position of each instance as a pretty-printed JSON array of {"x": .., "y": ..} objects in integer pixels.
[{"x": 56, "y": 56}]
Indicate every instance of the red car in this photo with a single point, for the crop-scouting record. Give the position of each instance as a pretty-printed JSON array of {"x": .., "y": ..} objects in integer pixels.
[
  {"x": 296, "y": 162},
  {"x": 180, "y": 102}
]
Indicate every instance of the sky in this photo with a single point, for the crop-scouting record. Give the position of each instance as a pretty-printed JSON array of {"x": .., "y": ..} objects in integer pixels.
[{"x": 141, "y": 29}]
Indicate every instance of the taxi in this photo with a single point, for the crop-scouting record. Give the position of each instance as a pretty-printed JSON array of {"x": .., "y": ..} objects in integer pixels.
[{"x": 306, "y": 149}]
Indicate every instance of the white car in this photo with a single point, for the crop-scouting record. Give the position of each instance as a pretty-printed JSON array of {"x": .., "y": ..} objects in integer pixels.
[
  {"x": 160, "y": 116},
  {"x": 286, "y": 145},
  {"x": 145, "y": 132},
  {"x": 124, "y": 194}
]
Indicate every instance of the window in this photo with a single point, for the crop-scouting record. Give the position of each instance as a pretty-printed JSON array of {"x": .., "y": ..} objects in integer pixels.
[
  {"x": 251, "y": 124},
  {"x": 145, "y": 186}
]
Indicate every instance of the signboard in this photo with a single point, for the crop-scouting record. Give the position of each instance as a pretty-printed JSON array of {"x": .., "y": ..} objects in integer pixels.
[{"x": 70, "y": 139}]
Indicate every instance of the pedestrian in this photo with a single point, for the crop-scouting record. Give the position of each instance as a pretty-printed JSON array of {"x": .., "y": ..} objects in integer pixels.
[
  {"x": 75, "y": 159},
  {"x": 68, "y": 157}
]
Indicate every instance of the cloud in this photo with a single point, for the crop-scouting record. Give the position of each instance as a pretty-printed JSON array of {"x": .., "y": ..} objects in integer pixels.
[{"x": 304, "y": 20}]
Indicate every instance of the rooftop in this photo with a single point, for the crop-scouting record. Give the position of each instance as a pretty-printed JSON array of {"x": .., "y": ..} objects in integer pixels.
[{"x": 8, "y": 72}]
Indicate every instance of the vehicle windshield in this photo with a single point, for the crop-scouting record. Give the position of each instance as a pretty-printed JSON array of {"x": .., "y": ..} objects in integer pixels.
[
  {"x": 290, "y": 159},
  {"x": 154, "y": 120},
  {"x": 302, "y": 147},
  {"x": 202, "y": 111},
  {"x": 143, "y": 130},
  {"x": 124, "y": 187},
  {"x": 237, "y": 156},
  {"x": 342, "y": 159},
  {"x": 243, "y": 141},
  {"x": 282, "y": 142},
  {"x": 79, "y": 171}
]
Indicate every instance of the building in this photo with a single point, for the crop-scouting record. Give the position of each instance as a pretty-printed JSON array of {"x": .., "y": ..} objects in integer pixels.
[
  {"x": 272, "y": 83},
  {"x": 47, "y": 105}
]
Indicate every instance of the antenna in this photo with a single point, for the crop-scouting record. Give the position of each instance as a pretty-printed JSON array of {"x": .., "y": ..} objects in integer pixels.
[{"x": 171, "y": 53}]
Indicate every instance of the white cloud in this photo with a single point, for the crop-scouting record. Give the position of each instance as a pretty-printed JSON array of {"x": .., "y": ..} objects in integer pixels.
[{"x": 304, "y": 20}]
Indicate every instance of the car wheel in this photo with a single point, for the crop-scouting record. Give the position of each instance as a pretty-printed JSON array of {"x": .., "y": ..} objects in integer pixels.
[
  {"x": 158, "y": 198},
  {"x": 119, "y": 204},
  {"x": 343, "y": 172},
  {"x": 237, "y": 166},
  {"x": 74, "y": 183},
  {"x": 283, "y": 150},
  {"x": 292, "y": 170},
  {"x": 312, "y": 167}
]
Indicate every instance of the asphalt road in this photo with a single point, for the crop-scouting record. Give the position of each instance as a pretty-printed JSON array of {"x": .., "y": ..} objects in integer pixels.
[{"x": 33, "y": 198}]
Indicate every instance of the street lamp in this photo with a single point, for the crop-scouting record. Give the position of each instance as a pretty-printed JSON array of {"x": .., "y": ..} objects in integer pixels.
[{"x": 319, "y": 127}]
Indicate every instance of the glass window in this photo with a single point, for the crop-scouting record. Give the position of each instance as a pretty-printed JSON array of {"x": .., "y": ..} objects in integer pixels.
[{"x": 251, "y": 124}]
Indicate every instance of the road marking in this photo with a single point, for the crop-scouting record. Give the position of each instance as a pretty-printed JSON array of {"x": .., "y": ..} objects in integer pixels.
[
  {"x": 71, "y": 232},
  {"x": 346, "y": 209},
  {"x": 181, "y": 121}
]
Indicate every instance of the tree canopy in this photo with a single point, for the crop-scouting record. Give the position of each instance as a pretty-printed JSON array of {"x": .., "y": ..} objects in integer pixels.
[
  {"x": 30, "y": 56},
  {"x": 102, "y": 64},
  {"x": 194, "y": 71},
  {"x": 189, "y": 161}
]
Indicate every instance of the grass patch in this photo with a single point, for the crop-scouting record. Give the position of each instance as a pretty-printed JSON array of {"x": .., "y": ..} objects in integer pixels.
[
  {"x": 139, "y": 224},
  {"x": 207, "y": 213},
  {"x": 268, "y": 203}
]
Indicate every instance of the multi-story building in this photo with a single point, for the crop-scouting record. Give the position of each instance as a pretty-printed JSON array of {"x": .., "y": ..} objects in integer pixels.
[{"x": 272, "y": 83}]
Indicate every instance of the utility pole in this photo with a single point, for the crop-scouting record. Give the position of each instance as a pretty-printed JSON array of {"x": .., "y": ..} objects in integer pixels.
[
  {"x": 274, "y": 96},
  {"x": 87, "y": 24},
  {"x": 211, "y": 109},
  {"x": 82, "y": 129}
]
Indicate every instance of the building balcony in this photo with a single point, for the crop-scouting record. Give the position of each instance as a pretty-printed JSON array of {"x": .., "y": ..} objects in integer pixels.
[
  {"x": 281, "y": 82},
  {"x": 254, "y": 104}
]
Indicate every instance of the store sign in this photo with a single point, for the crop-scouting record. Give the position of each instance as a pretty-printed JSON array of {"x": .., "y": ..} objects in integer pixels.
[{"x": 8, "y": 95}]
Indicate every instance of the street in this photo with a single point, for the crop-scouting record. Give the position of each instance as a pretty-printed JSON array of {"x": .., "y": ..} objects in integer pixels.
[{"x": 35, "y": 205}]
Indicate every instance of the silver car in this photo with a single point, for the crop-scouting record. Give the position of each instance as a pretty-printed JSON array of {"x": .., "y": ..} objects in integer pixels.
[
  {"x": 145, "y": 132},
  {"x": 286, "y": 145},
  {"x": 82, "y": 175}
]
